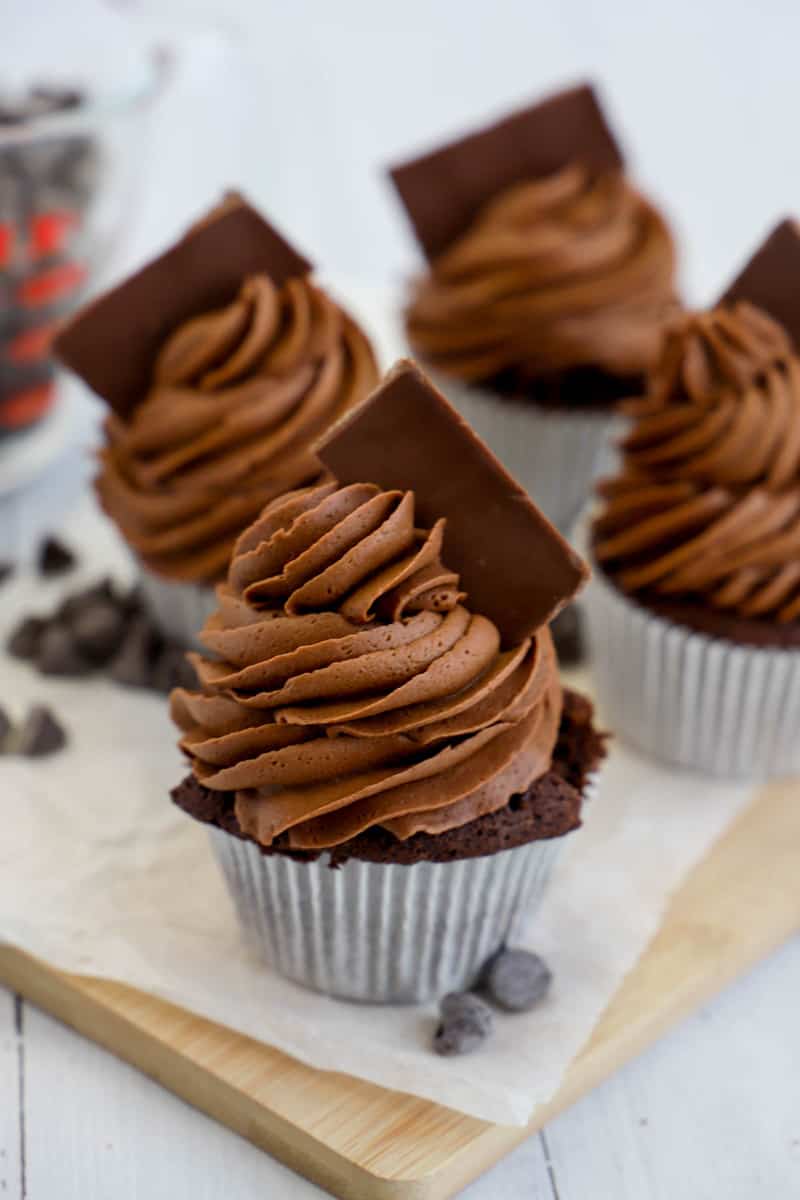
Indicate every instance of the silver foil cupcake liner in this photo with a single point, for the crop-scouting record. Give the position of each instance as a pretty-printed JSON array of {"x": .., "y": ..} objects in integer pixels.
[
  {"x": 696, "y": 701},
  {"x": 178, "y": 609},
  {"x": 381, "y": 932},
  {"x": 555, "y": 454}
]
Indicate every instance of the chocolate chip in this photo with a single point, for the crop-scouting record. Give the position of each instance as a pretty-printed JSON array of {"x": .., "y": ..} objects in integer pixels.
[
  {"x": 54, "y": 557},
  {"x": 6, "y": 571},
  {"x": 99, "y": 629},
  {"x": 133, "y": 663},
  {"x": 25, "y": 637},
  {"x": 5, "y": 730},
  {"x": 466, "y": 1022},
  {"x": 59, "y": 654},
  {"x": 40, "y": 733},
  {"x": 171, "y": 670},
  {"x": 74, "y": 604},
  {"x": 516, "y": 980},
  {"x": 567, "y": 631}
]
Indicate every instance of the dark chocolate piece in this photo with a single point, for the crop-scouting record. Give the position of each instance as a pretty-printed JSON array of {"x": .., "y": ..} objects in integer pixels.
[
  {"x": 443, "y": 191},
  {"x": 771, "y": 278},
  {"x": 40, "y": 734},
  {"x": 25, "y": 637},
  {"x": 5, "y": 730},
  {"x": 113, "y": 342},
  {"x": 516, "y": 980},
  {"x": 54, "y": 557},
  {"x": 514, "y": 565},
  {"x": 467, "y": 1022},
  {"x": 6, "y": 571},
  {"x": 58, "y": 653}
]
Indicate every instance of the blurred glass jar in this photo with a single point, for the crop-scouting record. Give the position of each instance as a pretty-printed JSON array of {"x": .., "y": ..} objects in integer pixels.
[{"x": 71, "y": 151}]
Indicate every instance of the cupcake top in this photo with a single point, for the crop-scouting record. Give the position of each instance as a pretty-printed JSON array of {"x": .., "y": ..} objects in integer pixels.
[
  {"x": 706, "y": 506},
  {"x": 570, "y": 271},
  {"x": 349, "y": 684},
  {"x": 237, "y": 397},
  {"x": 221, "y": 363},
  {"x": 544, "y": 262}
]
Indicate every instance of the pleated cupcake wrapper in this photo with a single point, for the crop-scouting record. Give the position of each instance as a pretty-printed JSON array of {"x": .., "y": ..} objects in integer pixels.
[
  {"x": 178, "y": 609},
  {"x": 382, "y": 932},
  {"x": 693, "y": 700},
  {"x": 555, "y": 454}
]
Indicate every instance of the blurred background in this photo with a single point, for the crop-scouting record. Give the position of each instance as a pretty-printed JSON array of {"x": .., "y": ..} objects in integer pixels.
[{"x": 302, "y": 105}]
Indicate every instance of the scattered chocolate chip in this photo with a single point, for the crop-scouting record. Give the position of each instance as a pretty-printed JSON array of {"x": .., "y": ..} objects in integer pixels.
[
  {"x": 567, "y": 631},
  {"x": 5, "y": 730},
  {"x": 6, "y": 571},
  {"x": 466, "y": 1022},
  {"x": 98, "y": 629},
  {"x": 132, "y": 665},
  {"x": 59, "y": 654},
  {"x": 25, "y": 638},
  {"x": 74, "y": 604},
  {"x": 54, "y": 557},
  {"x": 40, "y": 733},
  {"x": 171, "y": 670},
  {"x": 516, "y": 980}
]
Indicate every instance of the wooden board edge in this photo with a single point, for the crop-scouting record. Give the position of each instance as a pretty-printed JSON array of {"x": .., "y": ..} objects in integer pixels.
[{"x": 60, "y": 995}]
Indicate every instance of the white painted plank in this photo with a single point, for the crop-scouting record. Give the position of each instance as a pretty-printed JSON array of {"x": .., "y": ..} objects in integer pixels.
[
  {"x": 711, "y": 1111},
  {"x": 97, "y": 1128},
  {"x": 10, "y": 1124}
]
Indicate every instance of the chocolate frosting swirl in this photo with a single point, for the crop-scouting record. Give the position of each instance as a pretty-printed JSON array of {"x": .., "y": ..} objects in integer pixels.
[
  {"x": 570, "y": 271},
  {"x": 350, "y": 687},
  {"x": 238, "y": 396},
  {"x": 707, "y": 504}
]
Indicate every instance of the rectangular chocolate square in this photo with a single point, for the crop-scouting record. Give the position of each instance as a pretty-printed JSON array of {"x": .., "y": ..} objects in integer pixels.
[
  {"x": 112, "y": 342},
  {"x": 443, "y": 191},
  {"x": 515, "y": 567},
  {"x": 771, "y": 279}
]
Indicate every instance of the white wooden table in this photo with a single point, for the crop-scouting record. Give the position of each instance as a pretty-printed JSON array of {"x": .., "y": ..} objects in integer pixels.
[{"x": 710, "y": 1113}]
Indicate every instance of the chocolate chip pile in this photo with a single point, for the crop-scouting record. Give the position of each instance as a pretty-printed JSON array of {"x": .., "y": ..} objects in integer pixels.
[
  {"x": 102, "y": 629},
  {"x": 512, "y": 980},
  {"x": 40, "y": 733},
  {"x": 48, "y": 183}
]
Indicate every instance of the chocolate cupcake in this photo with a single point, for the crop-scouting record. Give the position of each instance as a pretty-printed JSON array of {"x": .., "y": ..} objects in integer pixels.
[
  {"x": 237, "y": 367},
  {"x": 380, "y": 743},
  {"x": 694, "y": 614},
  {"x": 549, "y": 280}
]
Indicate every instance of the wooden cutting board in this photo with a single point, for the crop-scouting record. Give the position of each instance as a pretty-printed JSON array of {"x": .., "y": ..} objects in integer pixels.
[{"x": 365, "y": 1143}]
